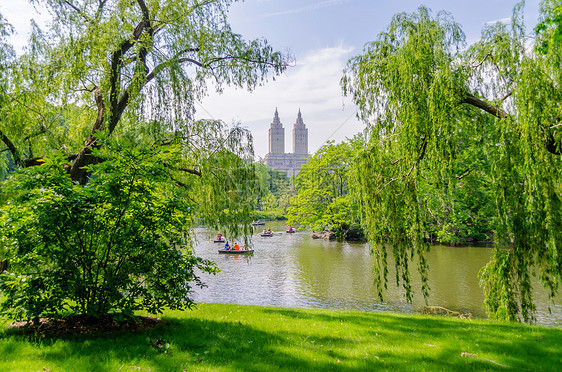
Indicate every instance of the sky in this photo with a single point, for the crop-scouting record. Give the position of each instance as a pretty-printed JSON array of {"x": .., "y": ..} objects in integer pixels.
[{"x": 322, "y": 35}]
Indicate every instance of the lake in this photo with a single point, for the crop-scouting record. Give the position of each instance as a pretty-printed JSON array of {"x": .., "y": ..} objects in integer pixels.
[{"x": 294, "y": 270}]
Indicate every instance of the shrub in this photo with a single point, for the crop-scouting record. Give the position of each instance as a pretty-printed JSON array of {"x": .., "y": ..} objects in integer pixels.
[{"x": 118, "y": 244}]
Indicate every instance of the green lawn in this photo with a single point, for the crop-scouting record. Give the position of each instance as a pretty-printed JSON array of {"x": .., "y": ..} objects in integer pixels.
[{"x": 218, "y": 337}]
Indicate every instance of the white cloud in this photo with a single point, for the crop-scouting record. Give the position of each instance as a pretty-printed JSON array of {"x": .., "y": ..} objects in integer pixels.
[
  {"x": 315, "y": 6},
  {"x": 19, "y": 15},
  {"x": 502, "y": 20},
  {"x": 311, "y": 86}
]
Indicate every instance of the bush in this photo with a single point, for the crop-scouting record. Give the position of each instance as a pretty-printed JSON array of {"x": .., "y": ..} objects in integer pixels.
[{"x": 119, "y": 244}]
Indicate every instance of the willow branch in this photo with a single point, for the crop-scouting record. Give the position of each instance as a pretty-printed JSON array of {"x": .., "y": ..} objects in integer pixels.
[
  {"x": 179, "y": 183},
  {"x": 144, "y": 8},
  {"x": 77, "y": 10},
  {"x": 121, "y": 103},
  {"x": 11, "y": 147},
  {"x": 206, "y": 65},
  {"x": 247, "y": 60},
  {"x": 464, "y": 174},
  {"x": 183, "y": 169},
  {"x": 506, "y": 97},
  {"x": 485, "y": 106},
  {"x": 551, "y": 144},
  {"x": 392, "y": 180},
  {"x": 489, "y": 55}
]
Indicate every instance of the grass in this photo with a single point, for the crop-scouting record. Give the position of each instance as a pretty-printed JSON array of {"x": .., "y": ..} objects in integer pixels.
[{"x": 219, "y": 337}]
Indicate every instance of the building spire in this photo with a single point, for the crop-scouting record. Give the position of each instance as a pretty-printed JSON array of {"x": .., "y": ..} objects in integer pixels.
[
  {"x": 299, "y": 122},
  {"x": 300, "y": 137},
  {"x": 276, "y": 121},
  {"x": 276, "y": 135}
]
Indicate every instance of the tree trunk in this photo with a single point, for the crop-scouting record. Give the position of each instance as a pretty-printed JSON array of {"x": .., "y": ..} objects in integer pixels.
[{"x": 77, "y": 171}]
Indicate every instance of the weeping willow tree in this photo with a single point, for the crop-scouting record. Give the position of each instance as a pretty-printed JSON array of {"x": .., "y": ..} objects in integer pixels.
[
  {"x": 429, "y": 101},
  {"x": 113, "y": 172},
  {"x": 133, "y": 70}
]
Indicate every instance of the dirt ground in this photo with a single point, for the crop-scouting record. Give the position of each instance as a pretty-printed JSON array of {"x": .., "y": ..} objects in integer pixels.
[{"x": 81, "y": 324}]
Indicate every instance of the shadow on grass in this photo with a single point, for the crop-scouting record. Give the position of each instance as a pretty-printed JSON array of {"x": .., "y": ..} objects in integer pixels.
[
  {"x": 184, "y": 344},
  {"x": 520, "y": 345},
  {"x": 200, "y": 341}
]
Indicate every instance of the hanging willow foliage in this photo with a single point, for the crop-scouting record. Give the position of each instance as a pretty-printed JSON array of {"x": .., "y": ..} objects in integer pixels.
[{"x": 430, "y": 104}]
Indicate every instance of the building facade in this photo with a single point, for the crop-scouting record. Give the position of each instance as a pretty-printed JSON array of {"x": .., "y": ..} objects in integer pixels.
[{"x": 277, "y": 158}]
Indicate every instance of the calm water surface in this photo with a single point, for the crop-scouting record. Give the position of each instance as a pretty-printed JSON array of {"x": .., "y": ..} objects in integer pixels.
[{"x": 293, "y": 270}]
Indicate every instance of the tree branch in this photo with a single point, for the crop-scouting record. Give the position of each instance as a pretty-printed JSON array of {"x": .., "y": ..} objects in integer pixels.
[
  {"x": 117, "y": 104},
  {"x": 144, "y": 9},
  {"x": 82, "y": 14},
  {"x": 489, "y": 55},
  {"x": 11, "y": 147},
  {"x": 183, "y": 169},
  {"x": 551, "y": 144},
  {"x": 485, "y": 106},
  {"x": 422, "y": 149},
  {"x": 118, "y": 107},
  {"x": 466, "y": 172},
  {"x": 156, "y": 70},
  {"x": 248, "y": 60}
]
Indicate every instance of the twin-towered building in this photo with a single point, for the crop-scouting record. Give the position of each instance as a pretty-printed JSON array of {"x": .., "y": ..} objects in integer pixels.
[{"x": 277, "y": 158}]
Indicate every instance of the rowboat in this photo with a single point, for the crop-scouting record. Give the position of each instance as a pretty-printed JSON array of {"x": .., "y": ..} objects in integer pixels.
[
  {"x": 266, "y": 234},
  {"x": 291, "y": 231},
  {"x": 219, "y": 241},
  {"x": 231, "y": 251},
  {"x": 258, "y": 223}
]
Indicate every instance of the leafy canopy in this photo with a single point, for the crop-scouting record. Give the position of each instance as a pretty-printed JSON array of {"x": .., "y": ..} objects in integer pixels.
[
  {"x": 323, "y": 200},
  {"x": 104, "y": 64},
  {"x": 426, "y": 99}
]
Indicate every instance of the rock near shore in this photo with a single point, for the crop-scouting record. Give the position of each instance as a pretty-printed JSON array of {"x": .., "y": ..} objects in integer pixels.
[{"x": 326, "y": 235}]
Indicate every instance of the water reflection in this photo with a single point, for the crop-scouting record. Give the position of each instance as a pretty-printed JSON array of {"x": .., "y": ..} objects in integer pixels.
[{"x": 292, "y": 270}]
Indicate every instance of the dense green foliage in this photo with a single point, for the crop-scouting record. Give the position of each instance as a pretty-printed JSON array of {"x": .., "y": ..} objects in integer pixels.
[
  {"x": 461, "y": 209},
  {"x": 276, "y": 192},
  {"x": 323, "y": 200},
  {"x": 427, "y": 100},
  {"x": 118, "y": 244},
  {"x": 550, "y": 27},
  {"x": 456, "y": 215},
  {"x": 219, "y": 337},
  {"x": 102, "y": 104}
]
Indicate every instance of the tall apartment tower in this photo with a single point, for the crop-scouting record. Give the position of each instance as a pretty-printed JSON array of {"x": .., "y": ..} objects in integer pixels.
[
  {"x": 276, "y": 136},
  {"x": 289, "y": 163},
  {"x": 300, "y": 137}
]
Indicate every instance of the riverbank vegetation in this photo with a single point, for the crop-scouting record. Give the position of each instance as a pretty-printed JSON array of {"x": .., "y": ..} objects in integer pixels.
[
  {"x": 276, "y": 191},
  {"x": 326, "y": 198},
  {"x": 462, "y": 144},
  {"x": 218, "y": 337},
  {"x": 322, "y": 198}
]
